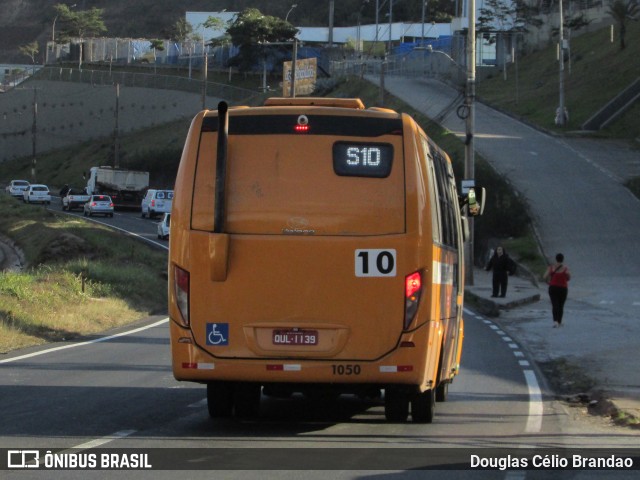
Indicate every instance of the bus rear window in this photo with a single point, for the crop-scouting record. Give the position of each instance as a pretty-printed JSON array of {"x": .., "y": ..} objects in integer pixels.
[{"x": 304, "y": 185}]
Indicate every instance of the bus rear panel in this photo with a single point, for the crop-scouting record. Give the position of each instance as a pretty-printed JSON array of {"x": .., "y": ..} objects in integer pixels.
[{"x": 315, "y": 247}]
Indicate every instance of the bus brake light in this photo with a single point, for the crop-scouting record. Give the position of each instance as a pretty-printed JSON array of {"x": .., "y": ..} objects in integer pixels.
[
  {"x": 413, "y": 291},
  {"x": 181, "y": 282}
]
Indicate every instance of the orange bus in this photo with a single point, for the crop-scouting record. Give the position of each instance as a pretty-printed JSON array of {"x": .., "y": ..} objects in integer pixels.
[{"x": 316, "y": 247}]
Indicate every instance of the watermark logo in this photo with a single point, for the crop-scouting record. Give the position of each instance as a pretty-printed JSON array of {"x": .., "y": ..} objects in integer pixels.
[{"x": 23, "y": 459}]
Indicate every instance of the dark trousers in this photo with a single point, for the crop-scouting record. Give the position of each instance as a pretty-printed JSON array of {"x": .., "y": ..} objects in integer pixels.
[
  {"x": 558, "y": 296},
  {"x": 500, "y": 281}
]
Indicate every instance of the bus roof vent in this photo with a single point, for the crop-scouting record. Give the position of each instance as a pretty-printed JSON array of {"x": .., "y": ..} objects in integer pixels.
[{"x": 354, "y": 103}]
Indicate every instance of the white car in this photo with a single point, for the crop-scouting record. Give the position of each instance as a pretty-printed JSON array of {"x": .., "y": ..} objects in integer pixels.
[
  {"x": 37, "y": 193},
  {"x": 163, "y": 226},
  {"x": 99, "y": 205},
  {"x": 17, "y": 187},
  {"x": 156, "y": 202}
]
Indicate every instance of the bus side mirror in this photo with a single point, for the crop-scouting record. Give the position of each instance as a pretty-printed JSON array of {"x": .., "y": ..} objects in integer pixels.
[{"x": 475, "y": 205}]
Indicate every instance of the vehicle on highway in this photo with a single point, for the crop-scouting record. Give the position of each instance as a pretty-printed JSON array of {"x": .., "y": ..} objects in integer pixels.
[
  {"x": 16, "y": 188},
  {"x": 125, "y": 187},
  {"x": 75, "y": 198},
  {"x": 99, "y": 205},
  {"x": 36, "y": 193},
  {"x": 323, "y": 254},
  {"x": 164, "y": 226},
  {"x": 156, "y": 202}
]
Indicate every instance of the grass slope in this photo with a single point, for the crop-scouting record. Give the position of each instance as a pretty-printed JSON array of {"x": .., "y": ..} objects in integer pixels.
[{"x": 599, "y": 70}]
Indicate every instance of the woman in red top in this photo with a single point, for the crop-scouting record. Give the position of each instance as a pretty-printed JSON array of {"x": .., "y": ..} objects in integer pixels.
[{"x": 558, "y": 276}]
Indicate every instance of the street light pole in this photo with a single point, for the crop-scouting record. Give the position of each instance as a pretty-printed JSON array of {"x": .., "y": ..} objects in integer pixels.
[
  {"x": 561, "y": 118},
  {"x": 469, "y": 164},
  {"x": 390, "y": 23},
  {"x": 286, "y": 18}
]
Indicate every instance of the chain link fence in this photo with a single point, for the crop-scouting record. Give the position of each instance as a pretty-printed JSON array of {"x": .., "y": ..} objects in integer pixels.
[{"x": 146, "y": 80}]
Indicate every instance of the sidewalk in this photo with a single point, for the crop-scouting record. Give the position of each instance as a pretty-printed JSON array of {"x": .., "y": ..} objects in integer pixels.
[
  {"x": 525, "y": 313},
  {"x": 519, "y": 292}
]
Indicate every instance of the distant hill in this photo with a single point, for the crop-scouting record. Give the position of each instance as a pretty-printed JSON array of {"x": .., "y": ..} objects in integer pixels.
[{"x": 23, "y": 21}]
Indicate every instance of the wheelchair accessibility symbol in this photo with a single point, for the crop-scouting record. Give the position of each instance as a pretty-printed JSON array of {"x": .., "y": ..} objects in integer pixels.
[{"x": 218, "y": 334}]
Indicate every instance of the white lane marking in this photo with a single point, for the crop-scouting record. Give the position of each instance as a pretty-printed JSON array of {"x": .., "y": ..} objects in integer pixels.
[
  {"x": 534, "y": 420},
  {"x": 536, "y": 406},
  {"x": 74, "y": 345},
  {"x": 127, "y": 232},
  {"x": 101, "y": 441}
]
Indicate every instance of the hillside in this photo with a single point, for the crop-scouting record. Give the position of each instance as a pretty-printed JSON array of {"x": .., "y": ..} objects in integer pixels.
[{"x": 597, "y": 72}]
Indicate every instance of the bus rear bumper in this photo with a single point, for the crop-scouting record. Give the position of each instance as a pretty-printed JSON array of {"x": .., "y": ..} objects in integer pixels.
[{"x": 402, "y": 366}]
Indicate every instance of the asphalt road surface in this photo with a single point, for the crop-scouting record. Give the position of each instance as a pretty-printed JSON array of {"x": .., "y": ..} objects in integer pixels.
[{"x": 117, "y": 392}]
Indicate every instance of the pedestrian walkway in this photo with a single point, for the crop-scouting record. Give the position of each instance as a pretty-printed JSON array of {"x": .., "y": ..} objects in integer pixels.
[{"x": 520, "y": 292}]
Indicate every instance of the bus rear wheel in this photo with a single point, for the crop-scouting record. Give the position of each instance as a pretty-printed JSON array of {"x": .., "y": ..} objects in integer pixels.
[
  {"x": 246, "y": 398},
  {"x": 220, "y": 399},
  {"x": 423, "y": 406},
  {"x": 396, "y": 405}
]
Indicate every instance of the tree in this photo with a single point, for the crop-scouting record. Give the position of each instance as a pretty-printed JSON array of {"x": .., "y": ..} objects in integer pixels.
[
  {"x": 181, "y": 30},
  {"x": 80, "y": 24},
  {"x": 156, "y": 45},
  {"x": 252, "y": 32},
  {"x": 216, "y": 23},
  {"x": 507, "y": 16},
  {"x": 621, "y": 11},
  {"x": 30, "y": 50}
]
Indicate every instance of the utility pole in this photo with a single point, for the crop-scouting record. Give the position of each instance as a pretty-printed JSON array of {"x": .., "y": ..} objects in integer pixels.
[
  {"x": 390, "y": 23},
  {"x": 469, "y": 162},
  {"x": 204, "y": 74},
  {"x": 116, "y": 133},
  {"x": 375, "y": 42},
  {"x": 294, "y": 60},
  {"x": 331, "y": 13},
  {"x": 34, "y": 130},
  {"x": 424, "y": 6},
  {"x": 561, "y": 118}
]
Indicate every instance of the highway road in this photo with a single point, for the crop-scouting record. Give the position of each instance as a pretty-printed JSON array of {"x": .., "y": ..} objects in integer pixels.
[{"x": 117, "y": 392}]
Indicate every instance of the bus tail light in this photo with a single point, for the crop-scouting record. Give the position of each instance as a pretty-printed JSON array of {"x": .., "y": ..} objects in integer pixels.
[
  {"x": 413, "y": 291},
  {"x": 181, "y": 284}
]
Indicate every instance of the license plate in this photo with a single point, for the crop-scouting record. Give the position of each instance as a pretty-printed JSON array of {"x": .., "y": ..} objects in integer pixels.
[{"x": 295, "y": 337}]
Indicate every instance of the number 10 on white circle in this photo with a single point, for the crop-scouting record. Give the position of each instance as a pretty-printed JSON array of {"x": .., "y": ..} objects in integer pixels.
[{"x": 375, "y": 263}]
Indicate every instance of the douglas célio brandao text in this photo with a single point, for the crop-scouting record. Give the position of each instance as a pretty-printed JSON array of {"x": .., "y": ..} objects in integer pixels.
[{"x": 552, "y": 461}]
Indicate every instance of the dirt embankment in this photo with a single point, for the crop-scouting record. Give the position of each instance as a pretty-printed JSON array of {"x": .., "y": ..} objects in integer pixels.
[{"x": 11, "y": 257}]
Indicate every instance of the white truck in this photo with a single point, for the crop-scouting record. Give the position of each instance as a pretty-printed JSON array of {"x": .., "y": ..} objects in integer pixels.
[
  {"x": 125, "y": 187},
  {"x": 75, "y": 198}
]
